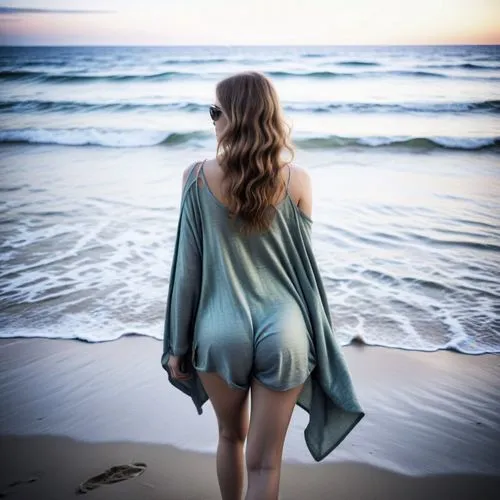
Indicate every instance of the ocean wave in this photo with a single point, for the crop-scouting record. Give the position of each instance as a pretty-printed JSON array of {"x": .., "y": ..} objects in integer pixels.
[
  {"x": 373, "y": 74},
  {"x": 360, "y": 340},
  {"x": 42, "y": 76},
  {"x": 75, "y": 77},
  {"x": 100, "y": 137},
  {"x": 334, "y": 74},
  {"x": 36, "y": 105},
  {"x": 46, "y": 62},
  {"x": 231, "y": 59},
  {"x": 174, "y": 138},
  {"x": 413, "y": 143},
  {"x": 418, "y": 107},
  {"x": 357, "y": 63},
  {"x": 98, "y": 336},
  {"x": 195, "y": 61},
  {"x": 461, "y": 66},
  {"x": 126, "y": 138}
]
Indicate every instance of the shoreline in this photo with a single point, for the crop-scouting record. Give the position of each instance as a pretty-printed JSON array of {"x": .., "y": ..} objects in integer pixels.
[
  {"x": 432, "y": 425},
  {"x": 355, "y": 342}
]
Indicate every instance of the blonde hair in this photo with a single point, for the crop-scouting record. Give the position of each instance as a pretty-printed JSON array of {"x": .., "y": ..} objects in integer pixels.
[{"x": 250, "y": 147}]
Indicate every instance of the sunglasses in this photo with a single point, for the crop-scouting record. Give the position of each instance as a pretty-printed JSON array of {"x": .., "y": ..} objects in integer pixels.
[{"x": 215, "y": 112}]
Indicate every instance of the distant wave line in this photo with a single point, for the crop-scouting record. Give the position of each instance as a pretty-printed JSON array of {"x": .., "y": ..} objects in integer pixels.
[
  {"x": 195, "y": 61},
  {"x": 94, "y": 136},
  {"x": 42, "y": 76},
  {"x": 372, "y": 74},
  {"x": 36, "y": 105},
  {"x": 461, "y": 66},
  {"x": 413, "y": 143},
  {"x": 356, "y": 63},
  {"x": 120, "y": 138}
]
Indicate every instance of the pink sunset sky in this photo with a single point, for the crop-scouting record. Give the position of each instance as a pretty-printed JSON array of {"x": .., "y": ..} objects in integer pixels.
[{"x": 256, "y": 22}]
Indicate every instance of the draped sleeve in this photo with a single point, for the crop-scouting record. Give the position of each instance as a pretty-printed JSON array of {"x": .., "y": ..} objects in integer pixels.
[
  {"x": 328, "y": 395},
  {"x": 184, "y": 292},
  {"x": 185, "y": 276}
]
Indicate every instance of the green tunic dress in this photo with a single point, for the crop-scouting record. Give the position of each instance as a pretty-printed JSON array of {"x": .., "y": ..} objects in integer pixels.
[{"x": 255, "y": 306}]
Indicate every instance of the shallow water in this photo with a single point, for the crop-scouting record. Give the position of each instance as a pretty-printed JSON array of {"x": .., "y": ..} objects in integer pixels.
[{"x": 405, "y": 171}]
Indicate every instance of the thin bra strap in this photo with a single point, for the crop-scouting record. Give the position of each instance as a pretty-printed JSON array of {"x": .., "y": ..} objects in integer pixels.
[
  {"x": 200, "y": 169},
  {"x": 195, "y": 172},
  {"x": 200, "y": 165},
  {"x": 289, "y": 175}
]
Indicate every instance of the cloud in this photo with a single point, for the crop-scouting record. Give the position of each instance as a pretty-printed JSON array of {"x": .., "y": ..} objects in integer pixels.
[{"x": 16, "y": 10}]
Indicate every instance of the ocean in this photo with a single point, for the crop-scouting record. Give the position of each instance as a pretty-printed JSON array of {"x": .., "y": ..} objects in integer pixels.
[{"x": 402, "y": 144}]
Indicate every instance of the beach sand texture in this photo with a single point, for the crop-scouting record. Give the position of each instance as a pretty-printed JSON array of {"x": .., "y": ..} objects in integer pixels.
[{"x": 70, "y": 410}]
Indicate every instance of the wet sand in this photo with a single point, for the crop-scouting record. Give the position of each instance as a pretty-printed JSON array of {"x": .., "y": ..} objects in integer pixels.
[{"x": 70, "y": 410}]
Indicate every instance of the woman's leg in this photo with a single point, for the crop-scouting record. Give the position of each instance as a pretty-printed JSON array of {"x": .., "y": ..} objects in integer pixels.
[
  {"x": 231, "y": 409},
  {"x": 271, "y": 412}
]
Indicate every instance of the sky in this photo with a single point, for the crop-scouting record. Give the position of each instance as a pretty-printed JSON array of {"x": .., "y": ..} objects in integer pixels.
[{"x": 249, "y": 22}]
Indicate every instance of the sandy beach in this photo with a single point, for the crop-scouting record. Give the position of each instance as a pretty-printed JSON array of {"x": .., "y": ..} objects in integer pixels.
[{"x": 70, "y": 410}]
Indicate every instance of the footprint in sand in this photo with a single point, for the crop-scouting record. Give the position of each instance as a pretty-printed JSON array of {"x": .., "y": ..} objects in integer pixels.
[
  {"x": 112, "y": 475},
  {"x": 5, "y": 492}
]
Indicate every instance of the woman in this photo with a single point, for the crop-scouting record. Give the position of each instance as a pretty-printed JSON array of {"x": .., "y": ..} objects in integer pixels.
[{"x": 246, "y": 308}]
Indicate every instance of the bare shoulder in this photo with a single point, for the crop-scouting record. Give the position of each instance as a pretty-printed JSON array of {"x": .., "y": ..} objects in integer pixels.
[
  {"x": 300, "y": 175},
  {"x": 300, "y": 188}
]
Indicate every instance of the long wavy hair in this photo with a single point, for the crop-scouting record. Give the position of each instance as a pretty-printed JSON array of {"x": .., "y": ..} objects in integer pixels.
[{"x": 250, "y": 149}]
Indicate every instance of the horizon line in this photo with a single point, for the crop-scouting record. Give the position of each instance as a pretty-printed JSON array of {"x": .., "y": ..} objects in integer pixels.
[{"x": 263, "y": 45}]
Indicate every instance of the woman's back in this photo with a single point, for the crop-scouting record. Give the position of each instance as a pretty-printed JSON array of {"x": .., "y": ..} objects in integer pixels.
[
  {"x": 253, "y": 280},
  {"x": 258, "y": 262},
  {"x": 298, "y": 180}
]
